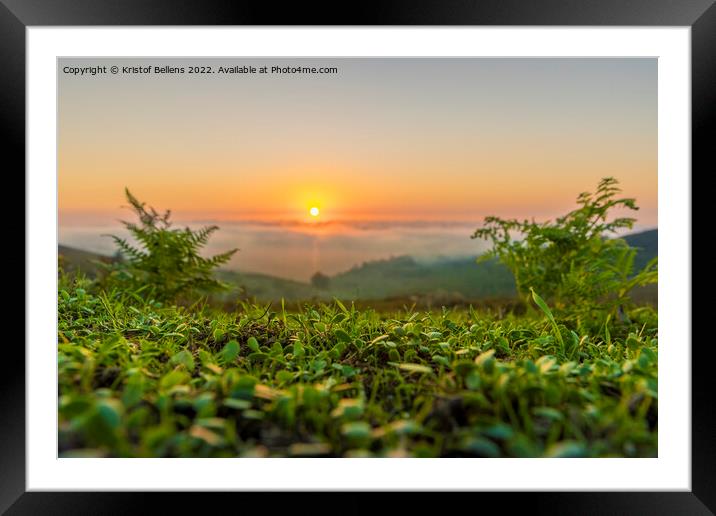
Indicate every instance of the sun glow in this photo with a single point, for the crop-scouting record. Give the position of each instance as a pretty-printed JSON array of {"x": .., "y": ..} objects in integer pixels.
[{"x": 314, "y": 211}]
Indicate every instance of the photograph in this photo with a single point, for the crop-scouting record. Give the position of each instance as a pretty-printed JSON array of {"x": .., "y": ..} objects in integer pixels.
[{"x": 340, "y": 257}]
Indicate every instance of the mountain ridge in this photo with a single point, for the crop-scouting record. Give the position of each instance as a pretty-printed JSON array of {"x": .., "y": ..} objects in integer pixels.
[{"x": 456, "y": 278}]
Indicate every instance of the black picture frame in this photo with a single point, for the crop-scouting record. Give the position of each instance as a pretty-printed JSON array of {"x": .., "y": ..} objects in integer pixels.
[{"x": 700, "y": 15}]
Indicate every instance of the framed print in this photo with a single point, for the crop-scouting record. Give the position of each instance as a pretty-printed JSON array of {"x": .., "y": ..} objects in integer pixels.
[{"x": 416, "y": 249}]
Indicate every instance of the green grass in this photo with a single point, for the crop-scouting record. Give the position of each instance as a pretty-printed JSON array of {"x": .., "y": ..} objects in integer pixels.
[{"x": 140, "y": 380}]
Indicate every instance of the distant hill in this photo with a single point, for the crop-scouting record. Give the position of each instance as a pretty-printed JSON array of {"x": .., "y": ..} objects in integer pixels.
[
  {"x": 404, "y": 276},
  {"x": 73, "y": 259},
  {"x": 447, "y": 279},
  {"x": 265, "y": 287},
  {"x": 454, "y": 277},
  {"x": 647, "y": 242}
]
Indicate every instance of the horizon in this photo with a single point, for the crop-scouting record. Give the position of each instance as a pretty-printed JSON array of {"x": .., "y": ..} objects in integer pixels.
[{"x": 311, "y": 251}]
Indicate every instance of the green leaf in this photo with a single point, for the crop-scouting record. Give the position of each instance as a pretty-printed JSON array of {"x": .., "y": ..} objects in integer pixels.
[
  {"x": 530, "y": 366},
  {"x": 543, "y": 306},
  {"x": 486, "y": 361},
  {"x": 472, "y": 381},
  {"x": 499, "y": 431},
  {"x": 439, "y": 359},
  {"x": 319, "y": 365},
  {"x": 546, "y": 363},
  {"x": 133, "y": 391},
  {"x": 357, "y": 430},
  {"x": 298, "y": 350},
  {"x": 341, "y": 306},
  {"x": 415, "y": 368},
  {"x": 110, "y": 411},
  {"x": 633, "y": 343},
  {"x": 342, "y": 335},
  {"x": 229, "y": 352},
  {"x": 548, "y": 413},
  {"x": 258, "y": 357},
  {"x": 566, "y": 449},
  {"x": 649, "y": 354},
  {"x": 253, "y": 414},
  {"x": 404, "y": 427},
  {"x": 208, "y": 436},
  {"x": 185, "y": 359},
  {"x": 253, "y": 344},
  {"x": 237, "y": 404},
  {"x": 173, "y": 378},
  {"x": 284, "y": 376},
  {"x": 481, "y": 447},
  {"x": 349, "y": 408}
]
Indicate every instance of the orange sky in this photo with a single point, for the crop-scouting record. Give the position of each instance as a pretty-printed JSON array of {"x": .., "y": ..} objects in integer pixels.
[{"x": 428, "y": 139}]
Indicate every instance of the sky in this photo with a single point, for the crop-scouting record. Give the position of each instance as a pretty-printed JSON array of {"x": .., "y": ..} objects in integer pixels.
[
  {"x": 382, "y": 138},
  {"x": 428, "y": 140}
]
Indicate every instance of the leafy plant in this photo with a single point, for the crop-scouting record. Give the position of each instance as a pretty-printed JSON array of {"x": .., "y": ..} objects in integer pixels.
[
  {"x": 571, "y": 261},
  {"x": 167, "y": 263}
]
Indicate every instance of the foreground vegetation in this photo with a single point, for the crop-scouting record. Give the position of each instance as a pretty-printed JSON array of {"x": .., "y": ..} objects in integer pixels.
[
  {"x": 147, "y": 371},
  {"x": 141, "y": 380}
]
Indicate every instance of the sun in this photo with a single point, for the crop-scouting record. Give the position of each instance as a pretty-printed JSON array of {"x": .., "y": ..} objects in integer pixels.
[{"x": 314, "y": 212}]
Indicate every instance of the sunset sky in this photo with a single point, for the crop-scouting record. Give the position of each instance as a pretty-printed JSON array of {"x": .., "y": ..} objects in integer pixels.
[{"x": 383, "y": 139}]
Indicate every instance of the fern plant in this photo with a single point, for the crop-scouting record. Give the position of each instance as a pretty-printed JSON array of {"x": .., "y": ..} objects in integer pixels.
[
  {"x": 572, "y": 261},
  {"x": 166, "y": 264}
]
